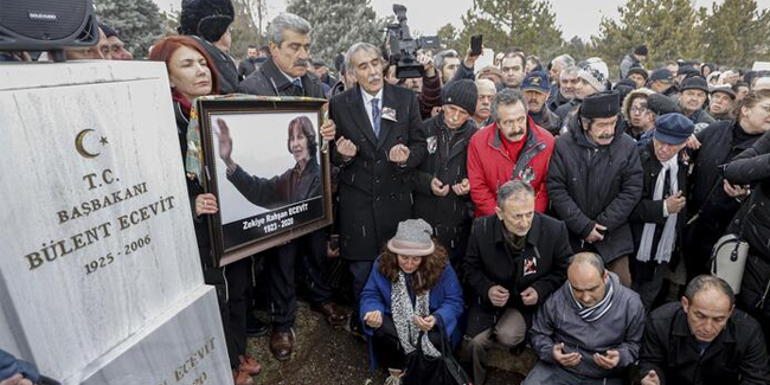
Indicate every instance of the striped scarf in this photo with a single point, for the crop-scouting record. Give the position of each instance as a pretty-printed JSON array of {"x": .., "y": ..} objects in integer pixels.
[{"x": 591, "y": 314}]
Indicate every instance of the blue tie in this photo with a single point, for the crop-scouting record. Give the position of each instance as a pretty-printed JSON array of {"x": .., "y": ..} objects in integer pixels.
[
  {"x": 297, "y": 83},
  {"x": 376, "y": 117}
]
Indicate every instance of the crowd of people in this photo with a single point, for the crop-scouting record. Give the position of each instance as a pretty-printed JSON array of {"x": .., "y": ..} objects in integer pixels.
[{"x": 519, "y": 205}]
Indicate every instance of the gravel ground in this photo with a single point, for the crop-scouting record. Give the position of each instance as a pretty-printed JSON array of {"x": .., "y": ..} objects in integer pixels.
[{"x": 327, "y": 356}]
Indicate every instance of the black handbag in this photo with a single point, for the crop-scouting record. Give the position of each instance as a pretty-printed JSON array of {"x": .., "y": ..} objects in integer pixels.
[{"x": 422, "y": 369}]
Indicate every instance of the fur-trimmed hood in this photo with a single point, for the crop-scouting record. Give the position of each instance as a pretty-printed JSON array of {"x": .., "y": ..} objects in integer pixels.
[{"x": 630, "y": 97}]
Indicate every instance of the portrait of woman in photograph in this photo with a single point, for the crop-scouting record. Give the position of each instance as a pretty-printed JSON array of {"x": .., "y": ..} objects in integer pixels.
[{"x": 303, "y": 181}]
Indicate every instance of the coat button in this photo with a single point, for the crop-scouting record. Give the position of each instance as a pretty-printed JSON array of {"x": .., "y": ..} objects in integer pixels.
[
  {"x": 376, "y": 180},
  {"x": 378, "y": 161}
]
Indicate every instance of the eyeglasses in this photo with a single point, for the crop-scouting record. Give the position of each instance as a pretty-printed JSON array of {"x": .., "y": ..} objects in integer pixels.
[{"x": 640, "y": 110}]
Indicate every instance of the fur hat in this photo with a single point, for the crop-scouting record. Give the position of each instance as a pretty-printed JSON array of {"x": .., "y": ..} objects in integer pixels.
[
  {"x": 602, "y": 105},
  {"x": 208, "y": 19}
]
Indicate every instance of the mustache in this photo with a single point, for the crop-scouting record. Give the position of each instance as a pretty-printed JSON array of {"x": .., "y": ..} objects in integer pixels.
[
  {"x": 606, "y": 136},
  {"x": 301, "y": 63},
  {"x": 372, "y": 79}
]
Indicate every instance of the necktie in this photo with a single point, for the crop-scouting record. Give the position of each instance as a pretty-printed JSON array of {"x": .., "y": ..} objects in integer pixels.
[
  {"x": 297, "y": 83},
  {"x": 376, "y": 117}
]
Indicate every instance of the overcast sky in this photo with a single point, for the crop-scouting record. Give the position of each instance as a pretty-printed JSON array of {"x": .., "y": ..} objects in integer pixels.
[{"x": 579, "y": 18}]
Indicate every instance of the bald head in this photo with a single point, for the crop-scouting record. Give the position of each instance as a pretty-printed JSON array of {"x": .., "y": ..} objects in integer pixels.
[{"x": 587, "y": 278}]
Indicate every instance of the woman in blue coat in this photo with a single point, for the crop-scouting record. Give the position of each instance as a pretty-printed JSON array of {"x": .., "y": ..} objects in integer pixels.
[{"x": 411, "y": 286}]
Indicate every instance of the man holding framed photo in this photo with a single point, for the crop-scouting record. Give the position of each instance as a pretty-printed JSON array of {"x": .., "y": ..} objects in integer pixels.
[
  {"x": 380, "y": 140},
  {"x": 285, "y": 74}
]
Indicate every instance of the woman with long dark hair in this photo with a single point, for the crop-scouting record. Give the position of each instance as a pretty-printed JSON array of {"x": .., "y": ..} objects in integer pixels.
[
  {"x": 190, "y": 76},
  {"x": 411, "y": 285}
]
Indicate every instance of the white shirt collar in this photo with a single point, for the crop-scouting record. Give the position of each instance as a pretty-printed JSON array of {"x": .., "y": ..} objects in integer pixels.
[
  {"x": 368, "y": 98},
  {"x": 291, "y": 79}
]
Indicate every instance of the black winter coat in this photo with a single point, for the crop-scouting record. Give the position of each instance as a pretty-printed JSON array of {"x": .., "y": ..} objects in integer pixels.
[
  {"x": 589, "y": 185},
  {"x": 548, "y": 120},
  {"x": 488, "y": 263},
  {"x": 707, "y": 199},
  {"x": 651, "y": 211},
  {"x": 212, "y": 275},
  {"x": 374, "y": 193},
  {"x": 556, "y": 99},
  {"x": 248, "y": 66},
  {"x": 280, "y": 190},
  {"x": 446, "y": 160},
  {"x": 736, "y": 356},
  {"x": 269, "y": 81},
  {"x": 753, "y": 167},
  {"x": 226, "y": 70}
]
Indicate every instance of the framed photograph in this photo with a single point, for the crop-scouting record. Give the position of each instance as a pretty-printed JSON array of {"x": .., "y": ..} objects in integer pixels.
[{"x": 269, "y": 169}]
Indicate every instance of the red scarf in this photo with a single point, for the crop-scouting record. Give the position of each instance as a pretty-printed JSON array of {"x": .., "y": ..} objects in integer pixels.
[
  {"x": 183, "y": 102},
  {"x": 512, "y": 148}
]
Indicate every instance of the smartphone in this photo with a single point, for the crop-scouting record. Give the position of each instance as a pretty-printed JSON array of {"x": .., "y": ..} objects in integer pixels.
[{"x": 476, "y": 43}]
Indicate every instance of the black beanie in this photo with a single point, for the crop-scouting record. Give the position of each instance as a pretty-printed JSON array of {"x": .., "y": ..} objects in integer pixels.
[
  {"x": 641, "y": 50},
  {"x": 461, "y": 93},
  {"x": 602, "y": 105},
  {"x": 208, "y": 19}
]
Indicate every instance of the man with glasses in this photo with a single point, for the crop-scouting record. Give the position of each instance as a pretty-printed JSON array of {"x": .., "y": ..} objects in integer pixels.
[
  {"x": 512, "y": 148},
  {"x": 595, "y": 181},
  {"x": 516, "y": 258}
]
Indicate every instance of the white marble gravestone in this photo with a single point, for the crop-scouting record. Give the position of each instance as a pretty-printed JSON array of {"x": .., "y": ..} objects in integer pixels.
[
  {"x": 184, "y": 346},
  {"x": 96, "y": 232}
]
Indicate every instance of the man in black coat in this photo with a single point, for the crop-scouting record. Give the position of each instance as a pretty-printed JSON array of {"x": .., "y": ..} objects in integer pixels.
[
  {"x": 285, "y": 74},
  {"x": 595, "y": 181},
  {"x": 208, "y": 22},
  {"x": 250, "y": 63},
  {"x": 658, "y": 220},
  {"x": 441, "y": 185},
  {"x": 536, "y": 89},
  {"x": 703, "y": 340},
  {"x": 693, "y": 94},
  {"x": 380, "y": 141},
  {"x": 515, "y": 260}
]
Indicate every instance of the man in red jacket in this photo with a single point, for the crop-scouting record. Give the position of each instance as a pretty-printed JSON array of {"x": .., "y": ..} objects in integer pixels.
[{"x": 512, "y": 148}]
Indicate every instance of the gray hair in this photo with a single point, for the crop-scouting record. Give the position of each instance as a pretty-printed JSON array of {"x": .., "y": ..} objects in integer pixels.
[
  {"x": 515, "y": 189},
  {"x": 486, "y": 83},
  {"x": 440, "y": 59},
  {"x": 507, "y": 97},
  {"x": 704, "y": 282},
  {"x": 593, "y": 259},
  {"x": 283, "y": 22},
  {"x": 564, "y": 61},
  {"x": 571, "y": 70},
  {"x": 360, "y": 46}
]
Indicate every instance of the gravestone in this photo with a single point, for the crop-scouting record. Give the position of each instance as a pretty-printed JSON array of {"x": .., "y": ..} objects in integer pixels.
[{"x": 97, "y": 238}]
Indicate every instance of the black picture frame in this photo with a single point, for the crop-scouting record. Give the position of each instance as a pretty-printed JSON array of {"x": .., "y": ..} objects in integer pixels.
[{"x": 237, "y": 230}]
